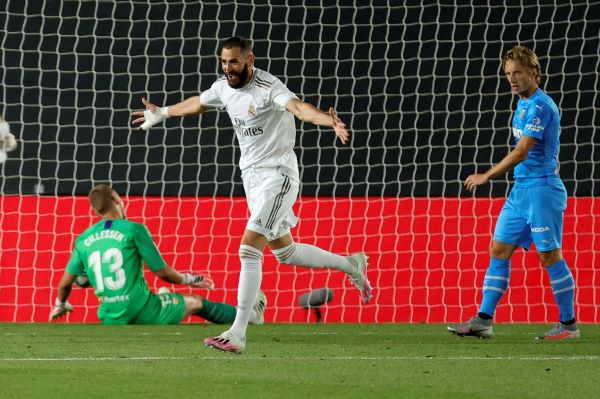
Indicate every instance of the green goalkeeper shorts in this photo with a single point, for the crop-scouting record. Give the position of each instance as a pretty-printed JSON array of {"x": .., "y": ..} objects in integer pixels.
[{"x": 161, "y": 309}]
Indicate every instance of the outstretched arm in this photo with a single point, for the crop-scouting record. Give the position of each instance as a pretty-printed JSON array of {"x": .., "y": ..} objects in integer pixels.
[
  {"x": 309, "y": 113},
  {"x": 512, "y": 159},
  {"x": 154, "y": 115},
  {"x": 171, "y": 275}
]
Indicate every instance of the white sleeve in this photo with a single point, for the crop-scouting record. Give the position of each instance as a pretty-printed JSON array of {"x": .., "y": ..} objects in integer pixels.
[
  {"x": 280, "y": 95},
  {"x": 211, "y": 97}
]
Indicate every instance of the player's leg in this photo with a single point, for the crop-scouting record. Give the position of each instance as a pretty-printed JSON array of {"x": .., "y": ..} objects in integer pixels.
[
  {"x": 268, "y": 193},
  {"x": 220, "y": 312},
  {"x": 165, "y": 308},
  {"x": 288, "y": 252},
  {"x": 495, "y": 284},
  {"x": 228, "y": 341},
  {"x": 563, "y": 288},
  {"x": 496, "y": 278},
  {"x": 171, "y": 308},
  {"x": 251, "y": 257},
  {"x": 271, "y": 196},
  {"x": 562, "y": 282},
  {"x": 547, "y": 228},
  {"x": 511, "y": 231},
  {"x": 215, "y": 312}
]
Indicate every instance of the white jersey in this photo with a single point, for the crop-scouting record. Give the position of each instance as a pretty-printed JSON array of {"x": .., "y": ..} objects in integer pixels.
[{"x": 265, "y": 130}]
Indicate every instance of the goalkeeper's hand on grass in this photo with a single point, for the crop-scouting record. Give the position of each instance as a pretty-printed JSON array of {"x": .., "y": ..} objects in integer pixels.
[
  {"x": 60, "y": 309},
  {"x": 151, "y": 116},
  {"x": 198, "y": 280}
]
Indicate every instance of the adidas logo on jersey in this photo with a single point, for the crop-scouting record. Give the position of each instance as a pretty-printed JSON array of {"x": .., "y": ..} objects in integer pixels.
[{"x": 259, "y": 222}]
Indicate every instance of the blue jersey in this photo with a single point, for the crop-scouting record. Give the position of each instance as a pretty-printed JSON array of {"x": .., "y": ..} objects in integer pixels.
[{"x": 537, "y": 117}]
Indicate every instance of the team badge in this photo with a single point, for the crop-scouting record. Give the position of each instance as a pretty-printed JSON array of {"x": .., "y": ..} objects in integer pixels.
[
  {"x": 251, "y": 110},
  {"x": 522, "y": 114}
]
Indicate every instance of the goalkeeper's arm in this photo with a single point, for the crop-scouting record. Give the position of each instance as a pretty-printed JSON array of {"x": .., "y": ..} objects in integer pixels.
[
  {"x": 154, "y": 115},
  {"x": 171, "y": 275},
  {"x": 62, "y": 305}
]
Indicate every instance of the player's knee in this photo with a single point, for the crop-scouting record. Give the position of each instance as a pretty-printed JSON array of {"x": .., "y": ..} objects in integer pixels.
[
  {"x": 250, "y": 256},
  {"x": 501, "y": 250},
  {"x": 193, "y": 302},
  {"x": 286, "y": 254},
  {"x": 548, "y": 258}
]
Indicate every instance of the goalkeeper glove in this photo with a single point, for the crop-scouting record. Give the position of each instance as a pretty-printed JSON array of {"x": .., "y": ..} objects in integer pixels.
[
  {"x": 153, "y": 118},
  {"x": 197, "y": 280},
  {"x": 60, "y": 309},
  {"x": 8, "y": 142}
]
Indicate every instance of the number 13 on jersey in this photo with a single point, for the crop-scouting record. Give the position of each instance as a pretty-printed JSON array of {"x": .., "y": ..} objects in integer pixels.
[{"x": 112, "y": 276}]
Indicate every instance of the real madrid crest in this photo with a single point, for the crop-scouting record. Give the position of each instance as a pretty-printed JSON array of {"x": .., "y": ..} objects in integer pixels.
[{"x": 251, "y": 110}]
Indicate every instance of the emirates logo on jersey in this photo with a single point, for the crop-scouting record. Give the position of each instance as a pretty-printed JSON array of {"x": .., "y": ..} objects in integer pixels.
[{"x": 251, "y": 110}]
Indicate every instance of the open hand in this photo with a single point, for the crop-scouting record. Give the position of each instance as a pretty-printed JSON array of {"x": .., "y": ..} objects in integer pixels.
[
  {"x": 150, "y": 117},
  {"x": 198, "y": 280},
  {"x": 339, "y": 127},
  {"x": 476, "y": 180}
]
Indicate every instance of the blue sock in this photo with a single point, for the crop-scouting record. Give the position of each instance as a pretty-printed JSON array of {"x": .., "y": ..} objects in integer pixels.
[
  {"x": 494, "y": 285},
  {"x": 563, "y": 287}
]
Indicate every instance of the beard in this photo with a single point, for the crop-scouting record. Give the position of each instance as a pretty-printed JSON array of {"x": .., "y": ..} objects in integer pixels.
[{"x": 242, "y": 77}]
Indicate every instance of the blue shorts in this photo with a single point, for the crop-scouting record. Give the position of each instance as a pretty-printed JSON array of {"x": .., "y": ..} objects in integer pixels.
[{"x": 533, "y": 214}]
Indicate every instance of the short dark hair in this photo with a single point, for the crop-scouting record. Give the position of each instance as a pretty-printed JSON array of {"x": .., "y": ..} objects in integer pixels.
[
  {"x": 245, "y": 45},
  {"x": 101, "y": 198}
]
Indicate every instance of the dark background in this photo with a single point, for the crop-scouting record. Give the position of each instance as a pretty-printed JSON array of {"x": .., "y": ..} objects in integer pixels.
[{"x": 420, "y": 88}]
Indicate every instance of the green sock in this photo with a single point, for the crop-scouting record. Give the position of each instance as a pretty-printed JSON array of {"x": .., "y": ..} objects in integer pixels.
[{"x": 217, "y": 312}]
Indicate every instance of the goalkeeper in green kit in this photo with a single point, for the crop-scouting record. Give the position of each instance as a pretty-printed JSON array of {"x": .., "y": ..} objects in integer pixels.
[{"x": 112, "y": 254}]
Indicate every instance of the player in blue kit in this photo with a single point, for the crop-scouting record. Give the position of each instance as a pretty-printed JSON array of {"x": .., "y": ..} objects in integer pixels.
[{"x": 534, "y": 210}]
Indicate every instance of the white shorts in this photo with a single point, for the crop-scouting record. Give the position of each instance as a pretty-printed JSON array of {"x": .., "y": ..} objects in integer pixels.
[{"x": 270, "y": 195}]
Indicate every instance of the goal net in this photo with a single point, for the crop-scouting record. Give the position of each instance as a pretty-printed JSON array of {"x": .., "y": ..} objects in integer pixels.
[{"x": 420, "y": 87}]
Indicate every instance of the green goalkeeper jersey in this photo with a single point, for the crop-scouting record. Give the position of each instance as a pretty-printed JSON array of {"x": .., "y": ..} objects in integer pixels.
[{"x": 112, "y": 253}]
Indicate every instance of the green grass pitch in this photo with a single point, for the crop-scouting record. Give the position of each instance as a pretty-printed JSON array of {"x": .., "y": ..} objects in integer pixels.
[{"x": 295, "y": 361}]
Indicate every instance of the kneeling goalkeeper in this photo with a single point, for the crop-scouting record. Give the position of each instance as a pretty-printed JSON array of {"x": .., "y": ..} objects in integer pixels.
[{"x": 112, "y": 254}]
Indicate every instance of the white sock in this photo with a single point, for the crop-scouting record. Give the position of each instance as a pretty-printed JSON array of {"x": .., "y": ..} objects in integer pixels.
[
  {"x": 250, "y": 277},
  {"x": 311, "y": 256}
]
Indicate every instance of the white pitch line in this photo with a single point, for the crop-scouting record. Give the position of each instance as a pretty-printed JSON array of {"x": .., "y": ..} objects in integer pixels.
[
  {"x": 151, "y": 333},
  {"x": 305, "y": 358},
  {"x": 24, "y": 333}
]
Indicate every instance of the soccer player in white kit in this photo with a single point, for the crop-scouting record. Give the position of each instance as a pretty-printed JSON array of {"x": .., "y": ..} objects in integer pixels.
[{"x": 262, "y": 111}]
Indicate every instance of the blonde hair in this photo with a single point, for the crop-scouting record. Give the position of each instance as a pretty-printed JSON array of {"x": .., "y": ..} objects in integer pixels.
[
  {"x": 525, "y": 57},
  {"x": 101, "y": 199}
]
